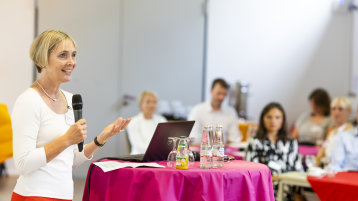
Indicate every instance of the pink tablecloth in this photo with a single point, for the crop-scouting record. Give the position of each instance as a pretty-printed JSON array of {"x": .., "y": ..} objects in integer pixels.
[
  {"x": 238, "y": 180},
  {"x": 307, "y": 150}
]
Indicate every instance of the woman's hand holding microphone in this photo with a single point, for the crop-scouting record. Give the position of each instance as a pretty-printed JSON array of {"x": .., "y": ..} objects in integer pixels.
[{"x": 77, "y": 132}]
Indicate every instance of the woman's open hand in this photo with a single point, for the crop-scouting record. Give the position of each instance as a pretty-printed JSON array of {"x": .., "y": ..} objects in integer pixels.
[{"x": 112, "y": 129}]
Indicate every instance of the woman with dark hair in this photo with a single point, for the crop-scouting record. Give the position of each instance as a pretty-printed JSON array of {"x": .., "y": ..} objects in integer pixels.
[
  {"x": 271, "y": 145},
  {"x": 310, "y": 128}
]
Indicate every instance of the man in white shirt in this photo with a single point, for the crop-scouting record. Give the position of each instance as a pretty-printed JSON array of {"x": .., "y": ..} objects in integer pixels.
[{"x": 214, "y": 112}]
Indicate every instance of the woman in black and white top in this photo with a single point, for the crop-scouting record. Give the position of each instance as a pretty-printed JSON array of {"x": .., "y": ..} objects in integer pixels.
[{"x": 271, "y": 145}]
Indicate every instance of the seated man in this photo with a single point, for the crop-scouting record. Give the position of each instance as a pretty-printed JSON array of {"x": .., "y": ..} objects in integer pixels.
[
  {"x": 213, "y": 112},
  {"x": 345, "y": 152}
]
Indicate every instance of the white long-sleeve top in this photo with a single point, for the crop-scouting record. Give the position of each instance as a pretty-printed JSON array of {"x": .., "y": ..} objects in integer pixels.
[
  {"x": 34, "y": 126},
  {"x": 141, "y": 130},
  {"x": 204, "y": 114}
]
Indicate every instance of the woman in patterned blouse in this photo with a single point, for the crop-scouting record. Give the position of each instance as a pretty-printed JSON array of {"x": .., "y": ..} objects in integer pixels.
[{"x": 271, "y": 145}]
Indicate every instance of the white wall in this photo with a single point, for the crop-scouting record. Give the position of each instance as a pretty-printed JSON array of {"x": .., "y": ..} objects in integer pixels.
[
  {"x": 16, "y": 35},
  {"x": 163, "y": 50},
  {"x": 125, "y": 47},
  {"x": 354, "y": 77},
  {"x": 95, "y": 26},
  {"x": 283, "y": 49}
]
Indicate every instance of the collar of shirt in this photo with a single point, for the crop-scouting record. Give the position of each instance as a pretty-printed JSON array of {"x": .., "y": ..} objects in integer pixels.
[
  {"x": 210, "y": 108},
  {"x": 341, "y": 128},
  {"x": 142, "y": 116}
]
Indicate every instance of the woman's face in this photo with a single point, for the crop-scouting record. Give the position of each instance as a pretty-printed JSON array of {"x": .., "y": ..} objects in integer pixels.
[
  {"x": 148, "y": 105},
  {"x": 339, "y": 114},
  {"x": 314, "y": 108},
  {"x": 61, "y": 62},
  {"x": 273, "y": 120}
]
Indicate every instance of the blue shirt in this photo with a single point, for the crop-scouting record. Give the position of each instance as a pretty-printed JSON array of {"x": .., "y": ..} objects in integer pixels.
[{"x": 345, "y": 151}]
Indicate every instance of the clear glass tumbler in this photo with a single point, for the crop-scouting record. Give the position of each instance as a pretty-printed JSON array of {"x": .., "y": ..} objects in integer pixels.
[
  {"x": 190, "y": 153},
  {"x": 171, "y": 161}
]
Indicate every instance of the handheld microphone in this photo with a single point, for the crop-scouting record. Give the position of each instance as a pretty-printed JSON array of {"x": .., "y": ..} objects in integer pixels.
[{"x": 77, "y": 111}]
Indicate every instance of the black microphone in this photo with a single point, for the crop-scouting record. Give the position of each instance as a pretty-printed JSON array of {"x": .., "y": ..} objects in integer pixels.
[{"x": 77, "y": 111}]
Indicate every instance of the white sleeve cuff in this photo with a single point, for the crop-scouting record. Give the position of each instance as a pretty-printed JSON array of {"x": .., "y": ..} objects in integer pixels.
[{"x": 80, "y": 157}]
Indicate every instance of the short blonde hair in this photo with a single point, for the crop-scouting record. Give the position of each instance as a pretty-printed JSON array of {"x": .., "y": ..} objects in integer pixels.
[
  {"x": 144, "y": 94},
  {"x": 342, "y": 101},
  {"x": 46, "y": 42}
]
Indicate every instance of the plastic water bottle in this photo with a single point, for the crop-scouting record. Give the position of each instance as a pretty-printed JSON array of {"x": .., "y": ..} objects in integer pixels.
[
  {"x": 218, "y": 148},
  {"x": 206, "y": 148},
  {"x": 182, "y": 154}
]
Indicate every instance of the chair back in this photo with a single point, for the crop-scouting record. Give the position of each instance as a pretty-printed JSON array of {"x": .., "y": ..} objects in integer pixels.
[
  {"x": 5, "y": 134},
  {"x": 247, "y": 130}
]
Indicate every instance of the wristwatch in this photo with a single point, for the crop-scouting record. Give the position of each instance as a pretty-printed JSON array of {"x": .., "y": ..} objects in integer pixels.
[{"x": 97, "y": 143}]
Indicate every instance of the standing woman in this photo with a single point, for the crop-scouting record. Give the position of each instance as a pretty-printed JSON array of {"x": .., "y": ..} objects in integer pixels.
[
  {"x": 45, "y": 136},
  {"x": 271, "y": 145}
]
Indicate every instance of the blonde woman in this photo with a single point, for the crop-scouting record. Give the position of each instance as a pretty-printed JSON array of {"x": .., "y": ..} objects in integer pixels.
[
  {"x": 45, "y": 136},
  {"x": 341, "y": 109},
  {"x": 143, "y": 125}
]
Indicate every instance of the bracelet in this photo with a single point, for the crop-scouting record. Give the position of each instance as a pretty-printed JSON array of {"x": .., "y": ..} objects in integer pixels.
[{"x": 97, "y": 143}]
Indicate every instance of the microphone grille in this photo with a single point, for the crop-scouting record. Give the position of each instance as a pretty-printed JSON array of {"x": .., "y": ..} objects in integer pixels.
[{"x": 77, "y": 102}]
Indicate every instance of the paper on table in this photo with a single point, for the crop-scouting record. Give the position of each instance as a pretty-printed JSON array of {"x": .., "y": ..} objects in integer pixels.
[{"x": 113, "y": 165}]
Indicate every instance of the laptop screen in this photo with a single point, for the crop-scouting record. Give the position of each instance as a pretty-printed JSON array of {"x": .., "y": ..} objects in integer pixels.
[{"x": 158, "y": 148}]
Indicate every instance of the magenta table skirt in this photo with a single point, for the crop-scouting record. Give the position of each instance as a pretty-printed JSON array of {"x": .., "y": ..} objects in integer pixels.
[{"x": 238, "y": 180}]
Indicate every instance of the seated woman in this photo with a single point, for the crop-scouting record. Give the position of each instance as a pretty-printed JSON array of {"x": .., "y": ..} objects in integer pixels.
[
  {"x": 311, "y": 127},
  {"x": 345, "y": 152},
  {"x": 271, "y": 145},
  {"x": 143, "y": 125},
  {"x": 341, "y": 109}
]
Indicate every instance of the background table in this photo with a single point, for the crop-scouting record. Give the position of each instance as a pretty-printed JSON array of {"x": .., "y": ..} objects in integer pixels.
[
  {"x": 343, "y": 186},
  {"x": 307, "y": 150},
  {"x": 238, "y": 180}
]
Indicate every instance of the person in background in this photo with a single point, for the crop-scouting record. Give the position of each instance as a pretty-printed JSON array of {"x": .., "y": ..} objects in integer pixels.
[
  {"x": 345, "y": 151},
  {"x": 143, "y": 125},
  {"x": 45, "y": 134},
  {"x": 271, "y": 145},
  {"x": 214, "y": 112},
  {"x": 341, "y": 109},
  {"x": 310, "y": 128}
]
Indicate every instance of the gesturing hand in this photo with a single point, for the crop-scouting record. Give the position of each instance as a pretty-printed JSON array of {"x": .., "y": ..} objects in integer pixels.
[
  {"x": 77, "y": 132},
  {"x": 114, "y": 128}
]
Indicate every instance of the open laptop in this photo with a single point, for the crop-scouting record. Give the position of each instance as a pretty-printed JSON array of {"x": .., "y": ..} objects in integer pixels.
[{"x": 158, "y": 148}]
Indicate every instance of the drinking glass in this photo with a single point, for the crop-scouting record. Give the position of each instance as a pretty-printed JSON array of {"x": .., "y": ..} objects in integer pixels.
[
  {"x": 172, "y": 157},
  {"x": 190, "y": 153}
]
